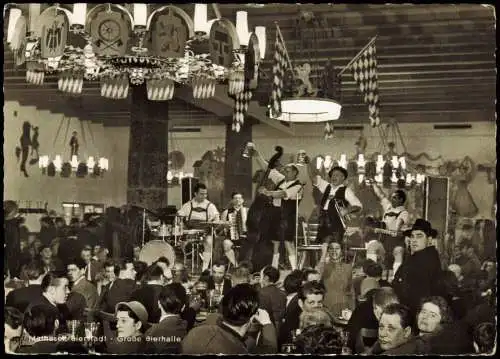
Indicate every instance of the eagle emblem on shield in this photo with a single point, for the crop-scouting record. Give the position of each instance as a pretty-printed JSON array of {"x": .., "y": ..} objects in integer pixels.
[{"x": 169, "y": 35}]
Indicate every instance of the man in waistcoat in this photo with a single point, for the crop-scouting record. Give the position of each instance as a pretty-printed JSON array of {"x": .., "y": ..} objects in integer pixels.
[
  {"x": 281, "y": 210},
  {"x": 197, "y": 213},
  {"x": 335, "y": 195}
]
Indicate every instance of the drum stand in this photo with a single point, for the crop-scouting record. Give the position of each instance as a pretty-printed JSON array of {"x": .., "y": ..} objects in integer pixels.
[{"x": 143, "y": 225}]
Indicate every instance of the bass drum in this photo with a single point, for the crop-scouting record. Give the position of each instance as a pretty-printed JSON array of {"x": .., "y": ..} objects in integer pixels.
[{"x": 155, "y": 249}]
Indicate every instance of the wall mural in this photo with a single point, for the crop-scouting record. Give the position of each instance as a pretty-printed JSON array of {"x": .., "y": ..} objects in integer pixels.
[
  {"x": 210, "y": 171},
  {"x": 28, "y": 146}
]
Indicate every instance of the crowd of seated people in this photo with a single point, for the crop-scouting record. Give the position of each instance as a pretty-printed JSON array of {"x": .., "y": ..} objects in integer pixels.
[{"x": 157, "y": 308}]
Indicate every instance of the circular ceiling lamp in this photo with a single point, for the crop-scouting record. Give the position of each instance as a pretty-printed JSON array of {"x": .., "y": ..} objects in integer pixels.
[{"x": 309, "y": 109}]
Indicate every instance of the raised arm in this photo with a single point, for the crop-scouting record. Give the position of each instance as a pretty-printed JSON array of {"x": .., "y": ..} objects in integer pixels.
[{"x": 378, "y": 191}]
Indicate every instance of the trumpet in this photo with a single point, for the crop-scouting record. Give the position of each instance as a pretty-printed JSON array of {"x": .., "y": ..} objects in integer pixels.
[{"x": 343, "y": 219}]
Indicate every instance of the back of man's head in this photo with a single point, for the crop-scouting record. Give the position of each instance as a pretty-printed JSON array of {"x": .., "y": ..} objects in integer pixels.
[
  {"x": 40, "y": 320},
  {"x": 293, "y": 282},
  {"x": 154, "y": 272},
  {"x": 384, "y": 296},
  {"x": 31, "y": 272},
  {"x": 173, "y": 298},
  {"x": 271, "y": 273},
  {"x": 240, "y": 304},
  {"x": 240, "y": 275},
  {"x": 51, "y": 279}
]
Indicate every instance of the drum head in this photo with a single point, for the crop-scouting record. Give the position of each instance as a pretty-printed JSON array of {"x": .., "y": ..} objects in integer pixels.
[{"x": 153, "y": 250}]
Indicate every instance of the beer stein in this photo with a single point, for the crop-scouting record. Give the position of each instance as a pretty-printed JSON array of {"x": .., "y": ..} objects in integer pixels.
[{"x": 248, "y": 151}]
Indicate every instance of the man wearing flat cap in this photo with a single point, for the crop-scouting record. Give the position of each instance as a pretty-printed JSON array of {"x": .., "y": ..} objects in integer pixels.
[
  {"x": 334, "y": 193},
  {"x": 417, "y": 276}
]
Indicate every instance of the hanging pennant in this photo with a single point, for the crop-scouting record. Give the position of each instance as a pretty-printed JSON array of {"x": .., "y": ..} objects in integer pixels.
[
  {"x": 115, "y": 88},
  {"x": 160, "y": 90}
]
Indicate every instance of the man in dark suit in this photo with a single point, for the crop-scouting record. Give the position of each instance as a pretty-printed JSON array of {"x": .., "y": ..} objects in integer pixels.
[
  {"x": 117, "y": 290},
  {"x": 418, "y": 275},
  {"x": 92, "y": 267},
  {"x": 218, "y": 281},
  {"x": 271, "y": 298},
  {"x": 20, "y": 298},
  {"x": 310, "y": 297},
  {"x": 55, "y": 291},
  {"x": 148, "y": 294},
  {"x": 166, "y": 336},
  {"x": 79, "y": 284},
  {"x": 292, "y": 285}
]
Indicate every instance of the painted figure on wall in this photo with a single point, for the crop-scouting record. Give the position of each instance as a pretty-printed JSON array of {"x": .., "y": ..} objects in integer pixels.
[
  {"x": 24, "y": 149},
  {"x": 35, "y": 144},
  {"x": 462, "y": 201},
  {"x": 73, "y": 143},
  {"x": 210, "y": 171}
]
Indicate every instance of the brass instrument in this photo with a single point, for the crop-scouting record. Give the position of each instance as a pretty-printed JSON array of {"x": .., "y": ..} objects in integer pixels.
[{"x": 343, "y": 219}]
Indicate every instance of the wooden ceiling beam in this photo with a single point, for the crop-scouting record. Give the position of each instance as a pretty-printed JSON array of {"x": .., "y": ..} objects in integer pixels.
[{"x": 360, "y": 14}]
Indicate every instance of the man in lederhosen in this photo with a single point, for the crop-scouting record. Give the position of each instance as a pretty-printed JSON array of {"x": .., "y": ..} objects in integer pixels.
[
  {"x": 330, "y": 224},
  {"x": 281, "y": 211},
  {"x": 197, "y": 213}
]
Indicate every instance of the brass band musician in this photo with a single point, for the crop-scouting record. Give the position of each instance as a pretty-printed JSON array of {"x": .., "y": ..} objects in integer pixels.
[{"x": 337, "y": 202}]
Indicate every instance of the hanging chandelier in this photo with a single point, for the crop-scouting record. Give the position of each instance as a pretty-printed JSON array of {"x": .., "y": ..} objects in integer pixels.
[
  {"x": 123, "y": 46},
  {"x": 385, "y": 171},
  {"x": 303, "y": 102},
  {"x": 67, "y": 165}
]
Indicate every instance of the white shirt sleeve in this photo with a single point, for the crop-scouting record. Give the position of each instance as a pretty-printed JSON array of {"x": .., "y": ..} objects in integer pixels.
[
  {"x": 291, "y": 193},
  {"x": 351, "y": 198},
  {"x": 321, "y": 184},
  {"x": 386, "y": 204},
  {"x": 404, "y": 216},
  {"x": 213, "y": 213},
  {"x": 224, "y": 215},
  {"x": 185, "y": 209},
  {"x": 275, "y": 176}
]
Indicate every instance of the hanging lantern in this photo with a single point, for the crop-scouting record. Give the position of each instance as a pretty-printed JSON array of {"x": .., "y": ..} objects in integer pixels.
[
  {"x": 236, "y": 81},
  {"x": 51, "y": 169},
  {"x": 66, "y": 170},
  {"x": 160, "y": 90},
  {"x": 70, "y": 82},
  {"x": 82, "y": 170},
  {"x": 115, "y": 87}
]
